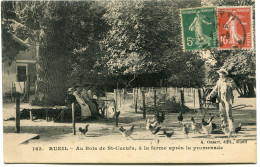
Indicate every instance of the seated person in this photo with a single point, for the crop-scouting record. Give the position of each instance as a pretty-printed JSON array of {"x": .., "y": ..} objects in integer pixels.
[
  {"x": 85, "y": 110},
  {"x": 91, "y": 103},
  {"x": 92, "y": 94},
  {"x": 70, "y": 97}
]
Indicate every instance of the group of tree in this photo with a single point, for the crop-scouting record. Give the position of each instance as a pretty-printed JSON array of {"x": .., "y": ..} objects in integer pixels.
[{"x": 127, "y": 43}]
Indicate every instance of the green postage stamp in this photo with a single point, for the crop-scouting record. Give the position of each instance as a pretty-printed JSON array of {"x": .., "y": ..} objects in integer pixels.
[{"x": 199, "y": 30}]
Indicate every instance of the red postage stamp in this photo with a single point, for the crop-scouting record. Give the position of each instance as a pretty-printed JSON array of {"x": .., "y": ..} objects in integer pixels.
[{"x": 235, "y": 27}]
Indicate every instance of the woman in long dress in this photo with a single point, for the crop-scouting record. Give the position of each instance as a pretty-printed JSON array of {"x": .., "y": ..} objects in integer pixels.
[
  {"x": 89, "y": 102},
  {"x": 85, "y": 110}
]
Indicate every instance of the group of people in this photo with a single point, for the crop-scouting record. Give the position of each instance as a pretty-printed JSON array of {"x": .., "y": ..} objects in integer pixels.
[{"x": 87, "y": 100}]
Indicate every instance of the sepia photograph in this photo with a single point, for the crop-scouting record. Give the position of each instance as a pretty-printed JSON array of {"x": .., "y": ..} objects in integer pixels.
[{"x": 129, "y": 82}]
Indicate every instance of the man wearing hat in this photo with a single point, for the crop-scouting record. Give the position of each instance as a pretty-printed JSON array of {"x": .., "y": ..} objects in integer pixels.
[{"x": 224, "y": 91}]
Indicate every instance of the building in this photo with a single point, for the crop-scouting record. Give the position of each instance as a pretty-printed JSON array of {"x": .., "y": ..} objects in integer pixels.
[{"x": 22, "y": 68}]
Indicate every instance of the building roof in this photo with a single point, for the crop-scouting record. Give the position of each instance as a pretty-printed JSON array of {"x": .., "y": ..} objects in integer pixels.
[{"x": 24, "y": 43}]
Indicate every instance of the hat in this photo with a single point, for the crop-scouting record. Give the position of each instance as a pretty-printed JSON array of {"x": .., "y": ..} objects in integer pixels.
[
  {"x": 70, "y": 89},
  {"x": 223, "y": 71}
]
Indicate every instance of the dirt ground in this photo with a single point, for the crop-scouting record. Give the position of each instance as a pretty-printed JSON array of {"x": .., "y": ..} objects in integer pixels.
[{"x": 104, "y": 130}]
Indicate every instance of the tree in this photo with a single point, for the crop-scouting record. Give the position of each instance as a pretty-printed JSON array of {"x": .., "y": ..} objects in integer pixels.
[
  {"x": 233, "y": 2},
  {"x": 10, "y": 46},
  {"x": 46, "y": 24},
  {"x": 144, "y": 37},
  {"x": 85, "y": 65},
  {"x": 188, "y": 71},
  {"x": 242, "y": 67},
  {"x": 60, "y": 29}
]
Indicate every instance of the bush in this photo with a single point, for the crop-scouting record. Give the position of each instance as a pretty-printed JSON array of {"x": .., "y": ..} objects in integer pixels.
[{"x": 164, "y": 102}]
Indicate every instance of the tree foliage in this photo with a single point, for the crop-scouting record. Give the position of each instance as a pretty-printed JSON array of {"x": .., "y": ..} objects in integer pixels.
[
  {"x": 242, "y": 68},
  {"x": 233, "y": 2},
  {"x": 144, "y": 38},
  {"x": 10, "y": 47},
  {"x": 140, "y": 32},
  {"x": 188, "y": 71}
]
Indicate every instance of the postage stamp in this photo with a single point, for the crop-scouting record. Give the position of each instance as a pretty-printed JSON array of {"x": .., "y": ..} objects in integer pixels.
[
  {"x": 199, "y": 29},
  {"x": 235, "y": 27}
]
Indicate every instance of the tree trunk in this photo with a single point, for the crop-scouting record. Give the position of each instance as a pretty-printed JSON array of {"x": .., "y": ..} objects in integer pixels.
[
  {"x": 251, "y": 91},
  {"x": 51, "y": 72},
  {"x": 245, "y": 90}
]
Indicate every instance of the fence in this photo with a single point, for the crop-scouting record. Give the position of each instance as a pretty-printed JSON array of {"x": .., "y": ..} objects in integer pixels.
[{"x": 190, "y": 97}]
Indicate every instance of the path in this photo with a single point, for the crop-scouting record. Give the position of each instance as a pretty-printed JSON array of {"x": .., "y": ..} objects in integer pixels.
[{"x": 105, "y": 130}]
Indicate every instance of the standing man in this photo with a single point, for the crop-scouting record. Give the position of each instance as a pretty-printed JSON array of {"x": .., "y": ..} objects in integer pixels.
[{"x": 224, "y": 91}]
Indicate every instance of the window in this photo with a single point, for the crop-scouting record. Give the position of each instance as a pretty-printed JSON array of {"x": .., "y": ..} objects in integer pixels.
[{"x": 21, "y": 73}]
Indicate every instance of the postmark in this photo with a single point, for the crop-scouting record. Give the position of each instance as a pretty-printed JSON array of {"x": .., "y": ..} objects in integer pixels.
[
  {"x": 199, "y": 30},
  {"x": 235, "y": 27}
]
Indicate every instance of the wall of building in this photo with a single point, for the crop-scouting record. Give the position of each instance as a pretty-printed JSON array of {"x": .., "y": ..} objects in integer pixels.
[
  {"x": 25, "y": 58},
  {"x": 9, "y": 76},
  {"x": 28, "y": 54}
]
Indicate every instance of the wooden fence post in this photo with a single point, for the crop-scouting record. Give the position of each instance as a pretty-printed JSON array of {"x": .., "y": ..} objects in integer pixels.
[
  {"x": 182, "y": 98},
  {"x": 154, "y": 100},
  {"x": 136, "y": 100},
  {"x": 115, "y": 97},
  {"x": 183, "y": 92},
  {"x": 194, "y": 97},
  {"x": 139, "y": 94},
  {"x": 199, "y": 92},
  {"x": 170, "y": 93},
  {"x": 47, "y": 112},
  {"x": 62, "y": 115},
  {"x": 134, "y": 96},
  {"x": 17, "y": 117},
  {"x": 117, "y": 116},
  {"x": 120, "y": 97},
  {"x": 115, "y": 107},
  {"x": 203, "y": 92},
  {"x": 31, "y": 115},
  {"x": 124, "y": 93},
  {"x": 73, "y": 119},
  {"x": 24, "y": 91},
  {"x": 144, "y": 109},
  {"x": 28, "y": 87}
]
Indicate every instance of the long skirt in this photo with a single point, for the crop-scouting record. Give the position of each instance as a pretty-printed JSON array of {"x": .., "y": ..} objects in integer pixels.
[{"x": 85, "y": 111}]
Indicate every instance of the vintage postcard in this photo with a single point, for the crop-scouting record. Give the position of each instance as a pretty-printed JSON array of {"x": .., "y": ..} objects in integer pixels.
[{"x": 129, "y": 82}]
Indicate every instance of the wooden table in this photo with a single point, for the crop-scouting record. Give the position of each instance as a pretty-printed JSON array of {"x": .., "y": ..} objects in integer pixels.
[{"x": 46, "y": 108}]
